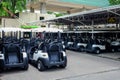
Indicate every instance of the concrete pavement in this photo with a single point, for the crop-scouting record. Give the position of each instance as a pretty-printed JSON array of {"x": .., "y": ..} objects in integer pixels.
[
  {"x": 103, "y": 75},
  {"x": 114, "y": 56},
  {"x": 79, "y": 65}
]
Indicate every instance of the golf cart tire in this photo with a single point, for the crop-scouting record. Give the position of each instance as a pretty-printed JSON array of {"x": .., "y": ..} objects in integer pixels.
[
  {"x": 1, "y": 70},
  {"x": 65, "y": 64},
  {"x": 26, "y": 67},
  {"x": 40, "y": 65},
  {"x": 81, "y": 49},
  {"x": 97, "y": 51},
  {"x": 114, "y": 50}
]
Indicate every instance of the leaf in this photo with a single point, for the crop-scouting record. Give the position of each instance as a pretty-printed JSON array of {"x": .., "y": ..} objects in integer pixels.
[
  {"x": 13, "y": 6},
  {"x": 114, "y": 2}
]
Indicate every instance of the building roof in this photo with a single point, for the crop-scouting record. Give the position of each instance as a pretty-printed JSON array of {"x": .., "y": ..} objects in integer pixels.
[
  {"x": 104, "y": 15},
  {"x": 61, "y": 6},
  {"x": 98, "y": 3}
]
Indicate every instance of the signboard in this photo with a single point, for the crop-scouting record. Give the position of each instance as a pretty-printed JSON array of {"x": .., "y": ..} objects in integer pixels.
[{"x": 111, "y": 20}]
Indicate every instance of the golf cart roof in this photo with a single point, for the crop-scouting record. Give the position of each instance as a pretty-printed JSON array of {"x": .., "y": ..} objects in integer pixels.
[
  {"x": 82, "y": 32},
  {"x": 47, "y": 30},
  {"x": 10, "y": 29},
  {"x": 76, "y": 32},
  {"x": 104, "y": 32}
]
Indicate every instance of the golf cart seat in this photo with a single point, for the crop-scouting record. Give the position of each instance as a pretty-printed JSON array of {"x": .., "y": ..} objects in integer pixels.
[
  {"x": 54, "y": 53},
  {"x": 12, "y": 53}
]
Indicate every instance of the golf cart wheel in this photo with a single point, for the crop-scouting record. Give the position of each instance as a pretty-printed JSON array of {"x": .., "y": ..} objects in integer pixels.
[
  {"x": 97, "y": 51},
  {"x": 26, "y": 67},
  {"x": 113, "y": 50},
  {"x": 81, "y": 49},
  {"x": 1, "y": 70},
  {"x": 40, "y": 65},
  {"x": 64, "y": 65}
]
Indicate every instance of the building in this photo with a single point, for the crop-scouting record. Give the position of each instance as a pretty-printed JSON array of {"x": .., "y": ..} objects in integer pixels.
[{"x": 24, "y": 18}]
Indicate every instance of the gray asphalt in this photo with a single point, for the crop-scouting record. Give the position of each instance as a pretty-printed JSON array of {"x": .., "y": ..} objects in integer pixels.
[{"x": 81, "y": 66}]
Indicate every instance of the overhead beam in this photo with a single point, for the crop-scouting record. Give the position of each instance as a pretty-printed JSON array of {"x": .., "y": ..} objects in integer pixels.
[
  {"x": 66, "y": 4},
  {"x": 55, "y": 5},
  {"x": 114, "y": 12}
]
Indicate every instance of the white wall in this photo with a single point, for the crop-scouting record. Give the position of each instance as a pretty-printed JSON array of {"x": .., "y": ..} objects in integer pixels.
[
  {"x": 7, "y": 22},
  {"x": 23, "y": 19}
]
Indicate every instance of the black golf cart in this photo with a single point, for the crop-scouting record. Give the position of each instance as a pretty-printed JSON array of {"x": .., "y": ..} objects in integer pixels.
[{"x": 11, "y": 52}]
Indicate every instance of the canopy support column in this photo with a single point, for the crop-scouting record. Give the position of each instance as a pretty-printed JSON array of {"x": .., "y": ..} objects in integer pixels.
[
  {"x": 49, "y": 25},
  {"x": 71, "y": 26},
  {"x": 43, "y": 8},
  {"x": 92, "y": 29}
]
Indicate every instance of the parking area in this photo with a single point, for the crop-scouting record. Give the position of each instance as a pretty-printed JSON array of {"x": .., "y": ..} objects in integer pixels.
[{"x": 81, "y": 66}]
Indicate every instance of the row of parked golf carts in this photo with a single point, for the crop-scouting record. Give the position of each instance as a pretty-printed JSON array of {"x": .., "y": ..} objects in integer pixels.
[
  {"x": 46, "y": 47},
  {"x": 18, "y": 47},
  {"x": 94, "y": 42}
]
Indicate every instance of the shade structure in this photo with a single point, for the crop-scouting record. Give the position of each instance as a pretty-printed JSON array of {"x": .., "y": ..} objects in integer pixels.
[{"x": 105, "y": 15}]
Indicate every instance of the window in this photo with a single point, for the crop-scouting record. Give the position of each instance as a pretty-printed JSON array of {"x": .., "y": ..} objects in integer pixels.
[
  {"x": 41, "y": 18},
  {"x": 27, "y": 34}
]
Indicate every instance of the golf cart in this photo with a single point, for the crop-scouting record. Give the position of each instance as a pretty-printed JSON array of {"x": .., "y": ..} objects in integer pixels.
[
  {"x": 76, "y": 40},
  {"x": 81, "y": 41},
  {"x": 115, "y": 46},
  {"x": 98, "y": 45},
  {"x": 69, "y": 39},
  {"x": 11, "y": 53},
  {"x": 115, "y": 43},
  {"x": 48, "y": 54},
  {"x": 95, "y": 46}
]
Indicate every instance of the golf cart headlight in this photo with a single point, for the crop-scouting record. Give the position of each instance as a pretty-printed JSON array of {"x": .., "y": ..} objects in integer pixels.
[
  {"x": 24, "y": 54},
  {"x": 115, "y": 43},
  {"x": 23, "y": 50},
  {"x": 78, "y": 44},
  {"x": 1, "y": 56},
  {"x": 44, "y": 55},
  {"x": 62, "y": 42}
]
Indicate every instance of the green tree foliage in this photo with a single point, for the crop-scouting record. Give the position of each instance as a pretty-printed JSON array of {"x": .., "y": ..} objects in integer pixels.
[
  {"x": 13, "y": 6},
  {"x": 49, "y": 12},
  {"x": 2, "y": 11},
  {"x": 114, "y": 2},
  {"x": 59, "y": 14}
]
